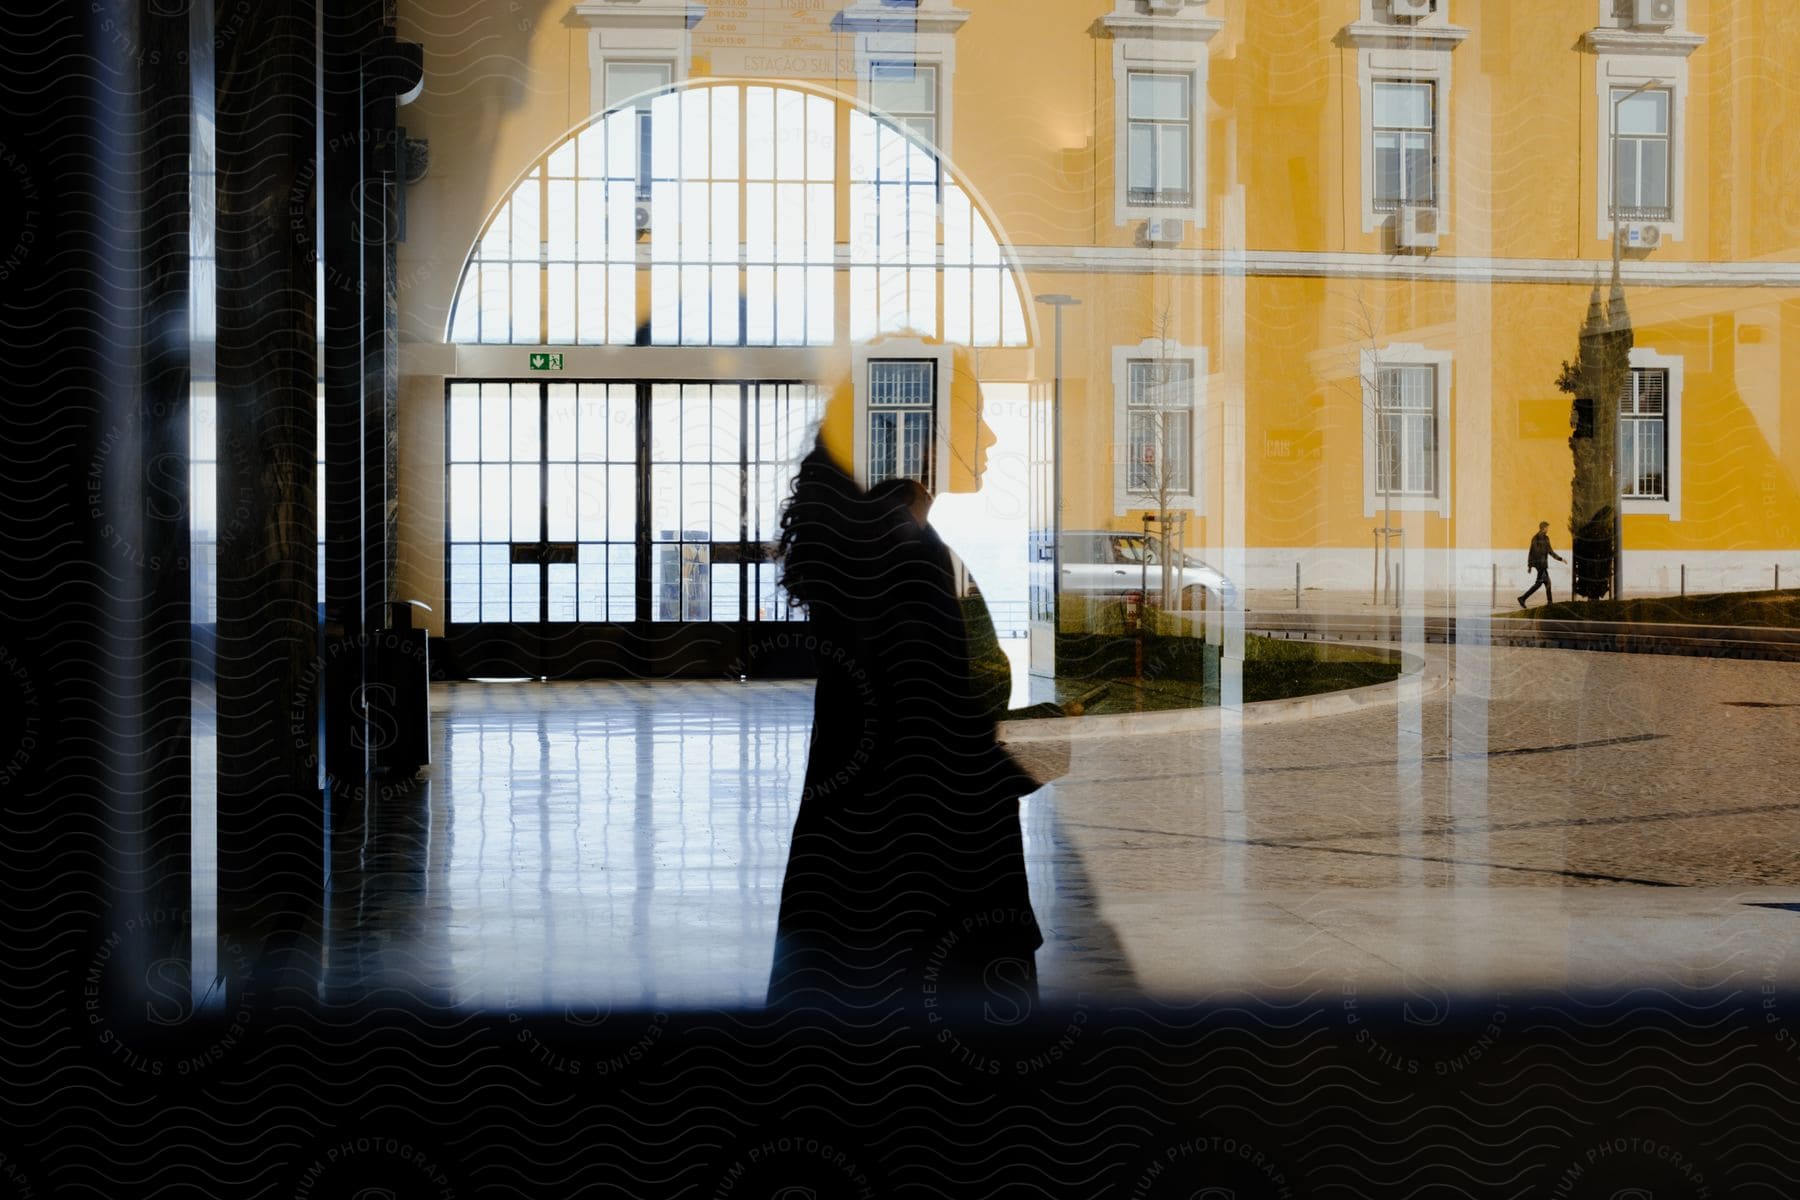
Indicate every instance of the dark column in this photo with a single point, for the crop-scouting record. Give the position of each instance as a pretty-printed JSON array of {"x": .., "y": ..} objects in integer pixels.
[
  {"x": 271, "y": 815},
  {"x": 163, "y": 873},
  {"x": 93, "y": 619},
  {"x": 352, "y": 26},
  {"x": 364, "y": 70},
  {"x": 392, "y": 70},
  {"x": 58, "y": 776}
]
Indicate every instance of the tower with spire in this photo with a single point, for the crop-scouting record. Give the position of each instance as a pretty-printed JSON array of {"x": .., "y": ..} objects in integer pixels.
[{"x": 1596, "y": 381}]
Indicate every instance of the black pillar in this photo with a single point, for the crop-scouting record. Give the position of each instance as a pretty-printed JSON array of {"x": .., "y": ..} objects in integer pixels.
[
  {"x": 163, "y": 873},
  {"x": 94, "y": 635},
  {"x": 364, "y": 70},
  {"x": 271, "y": 811},
  {"x": 355, "y": 25}
]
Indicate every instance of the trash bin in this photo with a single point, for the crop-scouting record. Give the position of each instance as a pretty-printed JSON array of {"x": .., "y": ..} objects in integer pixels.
[{"x": 400, "y": 734}]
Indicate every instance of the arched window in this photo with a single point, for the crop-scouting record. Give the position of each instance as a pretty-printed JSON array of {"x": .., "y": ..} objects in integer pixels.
[{"x": 729, "y": 197}]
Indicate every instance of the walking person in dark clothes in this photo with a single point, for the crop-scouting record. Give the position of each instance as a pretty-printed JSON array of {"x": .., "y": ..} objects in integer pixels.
[
  {"x": 906, "y": 881},
  {"x": 1539, "y": 560}
]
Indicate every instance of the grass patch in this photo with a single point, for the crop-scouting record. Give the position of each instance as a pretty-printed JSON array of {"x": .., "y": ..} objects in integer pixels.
[
  {"x": 1183, "y": 672},
  {"x": 1279, "y": 669},
  {"x": 1766, "y": 609}
]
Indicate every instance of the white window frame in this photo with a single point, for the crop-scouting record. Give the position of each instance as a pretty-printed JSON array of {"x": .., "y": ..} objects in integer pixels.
[
  {"x": 1405, "y": 65},
  {"x": 1618, "y": 73},
  {"x": 1165, "y": 44},
  {"x": 866, "y": 91},
  {"x": 1618, "y": 102},
  {"x": 1626, "y": 57},
  {"x": 635, "y": 31},
  {"x": 924, "y": 35},
  {"x": 910, "y": 350},
  {"x": 643, "y": 109},
  {"x": 1187, "y": 204},
  {"x": 1124, "y": 499},
  {"x": 1670, "y": 504},
  {"x": 1128, "y": 60},
  {"x": 1432, "y": 130},
  {"x": 1399, "y": 354},
  {"x": 1388, "y": 48}
]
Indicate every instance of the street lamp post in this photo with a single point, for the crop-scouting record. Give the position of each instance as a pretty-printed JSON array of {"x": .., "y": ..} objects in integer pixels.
[
  {"x": 1618, "y": 587},
  {"x": 1057, "y": 301}
]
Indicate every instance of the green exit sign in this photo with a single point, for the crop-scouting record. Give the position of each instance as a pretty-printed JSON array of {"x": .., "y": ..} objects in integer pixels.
[{"x": 546, "y": 362}]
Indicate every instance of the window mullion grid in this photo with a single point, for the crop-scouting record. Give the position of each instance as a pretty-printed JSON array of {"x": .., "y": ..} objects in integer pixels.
[
  {"x": 543, "y": 255},
  {"x": 543, "y": 390},
  {"x": 742, "y": 250}
]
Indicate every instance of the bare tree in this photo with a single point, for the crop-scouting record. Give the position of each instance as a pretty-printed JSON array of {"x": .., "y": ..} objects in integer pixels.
[
  {"x": 1362, "y": 335},
  {"x": 1166, "y": 468}
]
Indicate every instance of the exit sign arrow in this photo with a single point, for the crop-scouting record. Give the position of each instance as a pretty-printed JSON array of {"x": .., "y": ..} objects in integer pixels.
[{"x": 546, "y": 362}]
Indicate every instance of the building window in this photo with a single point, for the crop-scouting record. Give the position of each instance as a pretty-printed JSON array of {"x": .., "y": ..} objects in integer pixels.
[
  {"x": 1159, "y": 413},
  {"x": 1640, "y": 110},
  {"x": 902, "y": 420},
  {"x": 1641, "y": 155},
  {"x": 1407, "y": 431},
  {"x": 637, "y": 82},
  {"x": 1159, "y": 72},
  {"x": 1644, "y": 433},
  {"x": 1159, "y": 427},
  {"x": 1403, "y": 77},
  {"x": 908, "y": 93},
  {"x": 1404, "y": 143},
  {"x": 1160, "y": 138}
]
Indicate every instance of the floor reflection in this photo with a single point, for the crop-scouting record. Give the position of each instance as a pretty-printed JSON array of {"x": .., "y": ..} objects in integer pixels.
[
  {"x": 1528, "y": 818},
  {"x": 617, "y": 844}
]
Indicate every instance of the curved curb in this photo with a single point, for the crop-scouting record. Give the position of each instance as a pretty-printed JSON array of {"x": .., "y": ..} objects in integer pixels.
[
  {"x": 1416, "y": 681},
  {"x": 1774, "y": 643}
]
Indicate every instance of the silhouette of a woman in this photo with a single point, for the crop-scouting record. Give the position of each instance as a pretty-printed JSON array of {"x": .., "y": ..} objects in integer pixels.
[{"x": 906, "y": 878}]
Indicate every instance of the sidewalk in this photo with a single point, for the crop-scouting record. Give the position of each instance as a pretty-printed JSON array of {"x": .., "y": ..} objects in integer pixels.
[{"x": 1436, "y": 601}]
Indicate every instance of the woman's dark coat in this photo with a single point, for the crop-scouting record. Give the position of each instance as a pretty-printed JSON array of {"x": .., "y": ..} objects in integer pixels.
[{"x": 906, "y": 879}]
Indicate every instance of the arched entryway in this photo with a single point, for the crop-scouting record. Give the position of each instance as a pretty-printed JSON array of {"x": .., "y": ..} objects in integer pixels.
[{"x": 679, "y": 268}]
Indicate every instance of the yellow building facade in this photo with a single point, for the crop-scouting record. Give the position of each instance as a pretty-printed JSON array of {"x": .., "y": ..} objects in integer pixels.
[{"x": 1329, "y": 255}]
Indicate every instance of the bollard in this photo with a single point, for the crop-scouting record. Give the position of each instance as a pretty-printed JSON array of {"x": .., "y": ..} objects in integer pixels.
[
  {"x": 1684, "y": 579},
  {"x": 1296, "y": 587},
  {"x": 1778, "y": 577},
  {"x": 1493, "y": 585},
  {"x": 1375, "y": 573}
]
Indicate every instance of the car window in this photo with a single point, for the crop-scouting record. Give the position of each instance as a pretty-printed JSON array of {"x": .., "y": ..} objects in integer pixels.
[
  {"x": 1129, "y": 547},
  {"x": 1083, "y": 548}
]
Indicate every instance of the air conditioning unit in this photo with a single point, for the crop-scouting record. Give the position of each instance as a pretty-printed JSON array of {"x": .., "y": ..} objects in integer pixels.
[
  {"x": 1416, "y": 228},
  {"x": 1642, "y": 237},
  {"x": 1654, "y": 14},
  {"x": 1412, "y": 10},
  {"x": 1166, "y": 6},
  {"x": 1165, "y": 231},
  {"x": 641, "y": 218}
]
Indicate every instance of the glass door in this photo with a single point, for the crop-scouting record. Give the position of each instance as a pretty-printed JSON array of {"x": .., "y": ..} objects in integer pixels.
[
  {"x": 622, "y": 529},
  {"x": 494, "y": 536}
]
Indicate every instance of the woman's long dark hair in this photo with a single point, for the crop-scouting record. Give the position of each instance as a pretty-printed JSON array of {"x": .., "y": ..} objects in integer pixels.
[{"x": 834, "y": 537}]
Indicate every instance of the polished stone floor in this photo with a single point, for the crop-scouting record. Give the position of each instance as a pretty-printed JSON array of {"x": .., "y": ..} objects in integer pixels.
[{"x": 1539, "y": 818}]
